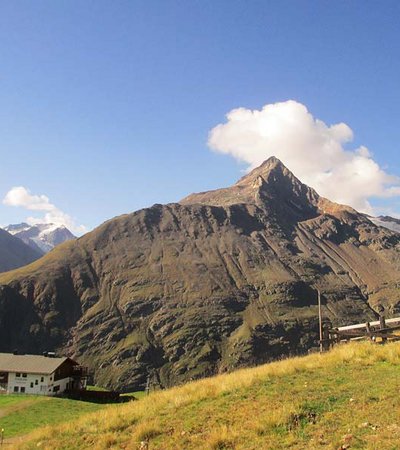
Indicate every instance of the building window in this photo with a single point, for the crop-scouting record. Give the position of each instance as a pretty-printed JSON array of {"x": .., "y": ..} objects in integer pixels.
[
  {"x": 24, "y": 375},
  {"x": 18, "y": 375},
  {"x": 31, "y": 384},
  {"x": 56, "y": 388},
  {"x": 41, "y": 379},
  {"x": 16, "y": 389},
  {"x": 22, "y": 389},
  {"x": 36, "y": 382}
]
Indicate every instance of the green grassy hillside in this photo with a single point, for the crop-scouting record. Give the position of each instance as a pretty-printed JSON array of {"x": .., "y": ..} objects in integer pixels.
[
  {"x": 347, "y": 398},
  {"x": 22, "y": 414}
]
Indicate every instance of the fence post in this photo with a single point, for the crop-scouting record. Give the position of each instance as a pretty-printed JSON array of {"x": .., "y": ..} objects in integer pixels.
[
  {"x": 326, "y": 339},
  {"x": 368, "y": 328},
  {"x": 382, "y": 325},
  {"x": 321, "y": 337}
]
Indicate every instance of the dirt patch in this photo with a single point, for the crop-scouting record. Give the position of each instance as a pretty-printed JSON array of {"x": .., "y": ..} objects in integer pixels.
[
  {"x": 14, "y": 408},
  {"x": 15, "y": 440}
]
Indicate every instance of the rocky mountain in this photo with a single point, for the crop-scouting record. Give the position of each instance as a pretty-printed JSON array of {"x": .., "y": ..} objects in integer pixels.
[
  {"x": 222, "y": 279},
  {"x": 14, "y": 253},
  {"x": 41, "y": 237}
]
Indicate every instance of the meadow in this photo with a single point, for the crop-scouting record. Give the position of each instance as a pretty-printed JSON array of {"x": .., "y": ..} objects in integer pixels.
[
  {"x": 346, "y": 398},
  {"x": 22, "y": 414}
]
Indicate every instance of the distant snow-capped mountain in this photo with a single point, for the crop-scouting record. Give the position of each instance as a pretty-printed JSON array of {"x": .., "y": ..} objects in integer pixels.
[
  {"x": 387, "y": 222},
  {"x": 42, "y": 237}
]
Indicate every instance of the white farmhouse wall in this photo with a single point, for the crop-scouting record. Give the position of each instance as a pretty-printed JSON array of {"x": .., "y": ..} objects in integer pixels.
[{"x": 36, "y": 384}]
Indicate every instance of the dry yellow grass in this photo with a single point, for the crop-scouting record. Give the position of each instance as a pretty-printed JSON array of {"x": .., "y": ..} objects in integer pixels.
[{"x": 317, "y": 401}]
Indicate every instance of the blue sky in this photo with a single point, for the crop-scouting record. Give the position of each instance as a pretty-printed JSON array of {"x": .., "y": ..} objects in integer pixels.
[{"x": 105, "y": 107}]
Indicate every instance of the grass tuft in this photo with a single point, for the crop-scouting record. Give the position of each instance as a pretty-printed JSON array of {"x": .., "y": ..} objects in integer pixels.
[
  {"x": 221, "y": 438},
  {"x": 146, "y": 431}
]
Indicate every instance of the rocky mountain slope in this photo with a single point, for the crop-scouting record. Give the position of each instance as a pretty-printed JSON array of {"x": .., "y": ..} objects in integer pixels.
[
  {"x": 220, "y": 280},
  {"x": 41, "y": 237},
  {"x": 14, "y": 253}
]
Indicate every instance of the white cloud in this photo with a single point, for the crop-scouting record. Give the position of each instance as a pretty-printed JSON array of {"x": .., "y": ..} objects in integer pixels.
[
  {"x": 21, "y": 197},
  {"x": 313, "y": 150}
]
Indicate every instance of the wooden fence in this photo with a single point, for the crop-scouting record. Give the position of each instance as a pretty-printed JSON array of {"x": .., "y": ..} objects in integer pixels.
[{"x": 380, "y": 331}]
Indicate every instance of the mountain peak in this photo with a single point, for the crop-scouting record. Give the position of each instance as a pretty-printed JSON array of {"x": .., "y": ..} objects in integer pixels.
[
  {"x": 271, "y": 163},
  {"x": 271, "y": 180},
  {"x": 271, "y": 171},
  {"x": 274, "y": 187}
]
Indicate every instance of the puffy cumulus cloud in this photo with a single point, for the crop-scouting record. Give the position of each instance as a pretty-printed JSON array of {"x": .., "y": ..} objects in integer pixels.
[
  {"x": 21, "y": 197},
  {"x": 313, "y": 150}
]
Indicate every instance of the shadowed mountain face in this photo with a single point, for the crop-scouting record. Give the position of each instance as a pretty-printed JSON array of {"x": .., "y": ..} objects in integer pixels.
[
  {"x": 220, "y": 280},
  {"x": 14, "y": 253}
]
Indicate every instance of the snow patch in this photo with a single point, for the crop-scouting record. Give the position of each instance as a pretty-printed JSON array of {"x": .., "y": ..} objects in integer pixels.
[{"x": 387, "y": 222}]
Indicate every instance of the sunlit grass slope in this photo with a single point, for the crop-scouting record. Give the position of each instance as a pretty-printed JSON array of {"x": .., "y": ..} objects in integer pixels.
[
  {"x": 348, "y": 397},
  {"x": 21, "y": 414}
]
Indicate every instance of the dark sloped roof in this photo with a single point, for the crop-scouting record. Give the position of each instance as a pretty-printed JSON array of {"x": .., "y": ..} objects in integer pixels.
[{"x": 29, "y": 363}]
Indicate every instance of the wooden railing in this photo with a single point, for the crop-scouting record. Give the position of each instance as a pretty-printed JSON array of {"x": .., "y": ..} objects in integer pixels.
[{"x": 380, "y": 331}]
